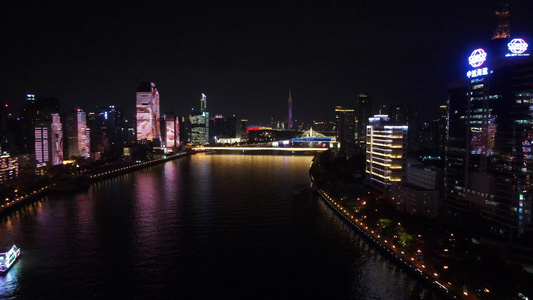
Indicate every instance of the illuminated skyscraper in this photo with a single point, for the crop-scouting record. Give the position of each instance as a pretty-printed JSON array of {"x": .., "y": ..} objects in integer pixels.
[
  {"x": 200, "y": 124},
  {"x": 345, "y": 126},
  {"x": 49, "y": 141},
  {"x": 78, "y": 134},
  {"x": 489, "y": 153},
  {"x": 203, "y": 103},
  {"x": 385, "y": 152},
  {"x": 170, "y": 133},
  {"x": 34, "y": 111},
  {"x": 148, "y": 116},
  {"x": 199, "y": 128}
]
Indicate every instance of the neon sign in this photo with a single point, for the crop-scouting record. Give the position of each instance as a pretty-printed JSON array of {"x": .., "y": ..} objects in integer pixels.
[
  {"x": 517, "y": 48},
  {"x": 477, "y": 72},
  {"x": 477, "y": 58}
]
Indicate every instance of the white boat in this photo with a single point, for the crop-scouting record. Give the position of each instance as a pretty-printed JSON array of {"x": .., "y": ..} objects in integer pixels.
[{"x": 7, "y": 259}]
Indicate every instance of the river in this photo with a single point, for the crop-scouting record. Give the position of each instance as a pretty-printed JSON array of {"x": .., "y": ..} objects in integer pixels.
[{"x": 221, "y": 226}]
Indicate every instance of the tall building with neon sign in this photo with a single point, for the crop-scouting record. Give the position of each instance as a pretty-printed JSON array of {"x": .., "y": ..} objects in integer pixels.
[{"x": 489, "y": 156}]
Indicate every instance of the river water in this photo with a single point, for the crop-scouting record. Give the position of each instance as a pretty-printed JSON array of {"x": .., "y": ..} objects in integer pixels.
[{"x": 199, "y": 227}]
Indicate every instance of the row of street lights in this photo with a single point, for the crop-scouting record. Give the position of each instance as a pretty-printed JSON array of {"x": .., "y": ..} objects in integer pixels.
[{"x": 369, "y": 232}]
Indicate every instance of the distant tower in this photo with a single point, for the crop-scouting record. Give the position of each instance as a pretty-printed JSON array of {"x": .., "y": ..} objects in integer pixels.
[
  {"x": 203, "y": 103},
  {"x": 502, "y": 31},
  {"x": 289, "y": 121}
]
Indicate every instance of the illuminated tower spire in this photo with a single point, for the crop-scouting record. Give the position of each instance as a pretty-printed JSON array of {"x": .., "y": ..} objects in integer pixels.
[
  {"x": 502, "y": 31},
  {"x": 290, "y": 111},
  {"x": 203, "y": 103}
]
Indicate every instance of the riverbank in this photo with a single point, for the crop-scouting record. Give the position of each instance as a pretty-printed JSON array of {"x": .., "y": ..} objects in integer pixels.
[
  {"x": 430, "y": 247},
  {"x": 403, "y": 260},
  {"x": 93, "y": 176}
]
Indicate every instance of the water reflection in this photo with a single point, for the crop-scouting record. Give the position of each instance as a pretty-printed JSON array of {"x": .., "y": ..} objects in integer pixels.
[
  {"x": 206, "y": 226},
  {"x": 9, "y": 282}
]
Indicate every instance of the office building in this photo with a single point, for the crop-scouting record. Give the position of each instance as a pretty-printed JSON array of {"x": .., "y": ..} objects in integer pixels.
[
  {"x": 199, "y": 124},
  {"x": 386, "y": 144},
  {"x": 489, "y": 157},
  {"x": 363, "y": 110},
  {"x": 35, "y": 110},
  {"x": 420, "y": 192},
  {"x": 78, "y": 134},
  {"x": 48, "y": 137},
  {"x": 345, "y": 126},
  {"x": 170, "y": 133}
]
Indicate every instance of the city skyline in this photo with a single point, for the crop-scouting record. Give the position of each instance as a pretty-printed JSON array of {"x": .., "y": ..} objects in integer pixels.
[{"x": 244, "y": 56}]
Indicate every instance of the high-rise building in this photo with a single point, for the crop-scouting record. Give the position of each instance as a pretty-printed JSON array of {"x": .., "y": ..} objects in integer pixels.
[
  {"x": 363, "y": 110},
  {"x": 49, "y": 141},
  {"x": 223, "y": 127},
  {"x": 178, "y": 132},
  {"x": 108, "y": 132},
  {"x": 203, "y": 103},
  {"x": 199, "y": 122},
  {"x": 34, "y": 111},
  {"x": 199, "y": 128},
  {"x": 169, "y": 132},
  {"x": 385, "y": 152},
  {"x": 406, "y": 115},
  {"x": 345, "y": 126},
  {"x": 244, "y": 130},
  {"x": 148, "y": 116},
  {"x": 489, "y": 157},
  {"x": 78, "y": 134}
]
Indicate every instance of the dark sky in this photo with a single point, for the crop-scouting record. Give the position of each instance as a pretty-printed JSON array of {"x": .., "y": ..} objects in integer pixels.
[{"x": 245, "y": 55}]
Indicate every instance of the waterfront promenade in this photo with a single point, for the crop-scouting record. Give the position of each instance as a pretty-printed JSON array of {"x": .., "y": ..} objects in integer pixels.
[
  {"x": 407, "y": 261},
  {"x": 451, "y": 261}
]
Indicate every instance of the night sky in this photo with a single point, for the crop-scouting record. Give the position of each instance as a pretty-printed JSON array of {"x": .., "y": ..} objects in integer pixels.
[{"x": 244, "y": 55}]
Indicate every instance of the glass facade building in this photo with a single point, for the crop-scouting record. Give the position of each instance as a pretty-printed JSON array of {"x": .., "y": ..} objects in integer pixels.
[{"x": 489, "y": 159}]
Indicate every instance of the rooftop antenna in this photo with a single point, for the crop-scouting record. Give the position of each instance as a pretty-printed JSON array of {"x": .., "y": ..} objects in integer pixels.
[{"x": 502, "y": 31}]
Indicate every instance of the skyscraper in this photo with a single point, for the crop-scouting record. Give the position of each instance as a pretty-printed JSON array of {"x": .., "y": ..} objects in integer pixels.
[
  {"x": 385, "y": 152},
  {"x": 35, "y": 111},
  {"x": 406, "y": 115},
  {"x": 345, "y": 125},
  {"x": 49, "y": 141},
  {"x": 489, "y": 157},
  {"x": 199, "y": 121},
  {"x": 148, "y": 116},
  {"x": 169, "y": 130},
  {"x": 78, "y": 134},
  {"x": 363, "y": 110}
]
